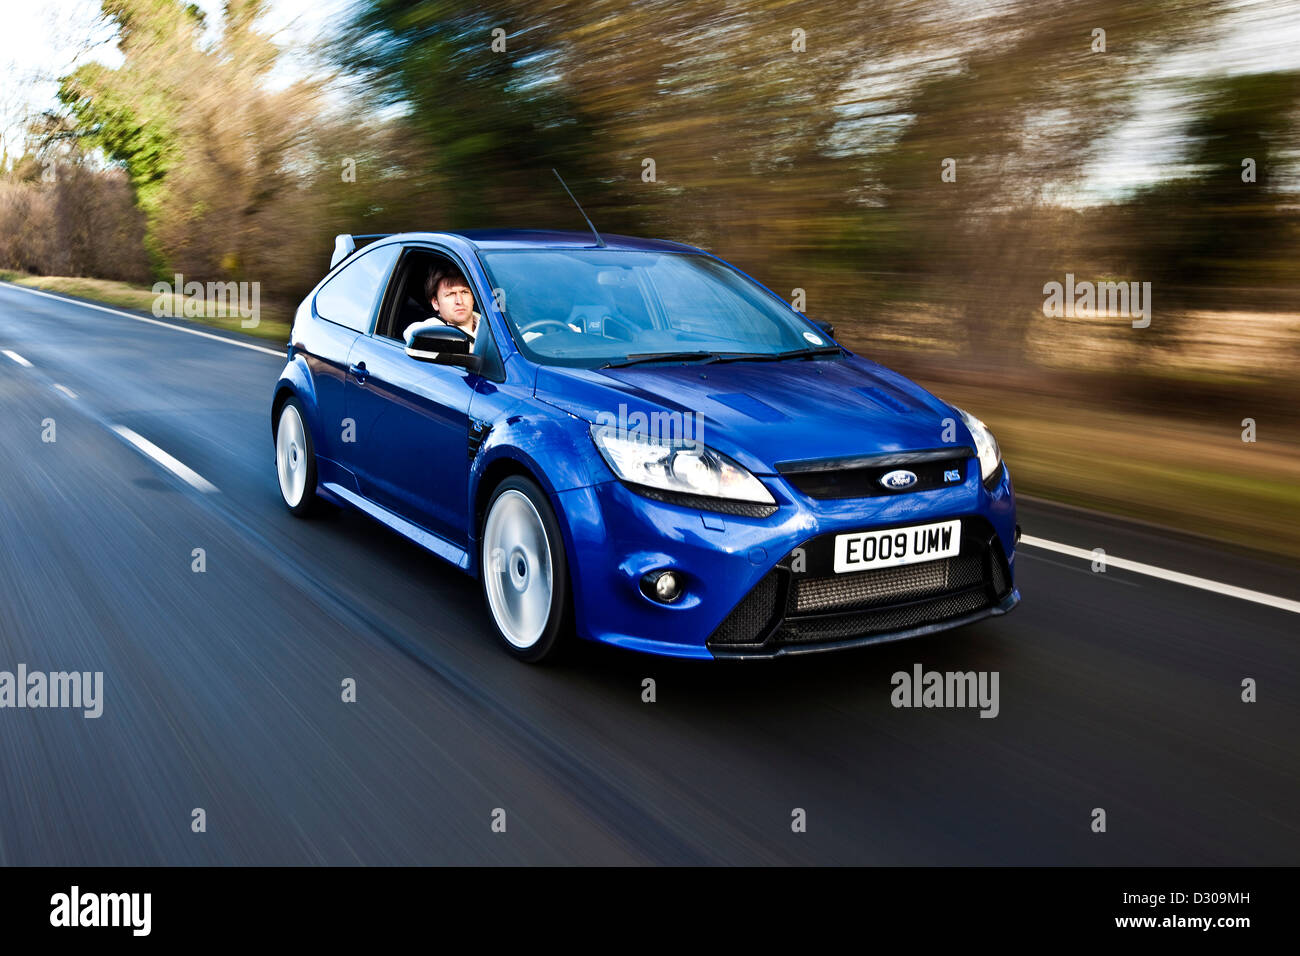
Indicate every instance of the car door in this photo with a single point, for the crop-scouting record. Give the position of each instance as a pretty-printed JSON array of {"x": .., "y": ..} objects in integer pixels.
[
  {"x": 412, "y": 428},
  {"x": 346, "y": 303}
]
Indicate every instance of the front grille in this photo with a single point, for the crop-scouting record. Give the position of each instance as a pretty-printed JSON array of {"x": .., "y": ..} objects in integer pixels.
[
  {"x": 999, "y": 574},
  {"x": 801, "y": 609},
  {"x": 750, "y": 619},
  {"x": 860, "y": 477},
  {"x": 885, "y": 585},
  {"x": 883, "y": 620}
]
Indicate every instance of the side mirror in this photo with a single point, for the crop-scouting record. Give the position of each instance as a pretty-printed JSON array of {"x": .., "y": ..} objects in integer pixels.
[
  {"x": 443, "y": 345},
  {"x": 825, "y": 327}
]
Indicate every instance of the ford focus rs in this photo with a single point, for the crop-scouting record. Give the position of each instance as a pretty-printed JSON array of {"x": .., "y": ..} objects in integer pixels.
[{"x": 634, "y": 443}]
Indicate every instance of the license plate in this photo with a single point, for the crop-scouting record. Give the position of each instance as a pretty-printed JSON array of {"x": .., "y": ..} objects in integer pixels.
[{"x": 864, "y": 550}]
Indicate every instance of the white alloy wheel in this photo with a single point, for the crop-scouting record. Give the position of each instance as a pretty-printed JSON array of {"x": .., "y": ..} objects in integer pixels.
[
  {"x": 291, "y": 453},
  {"x": 517, "y": 569}
]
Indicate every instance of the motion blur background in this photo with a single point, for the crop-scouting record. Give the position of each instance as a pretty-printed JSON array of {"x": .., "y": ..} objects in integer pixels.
[{"x": 804, "y": 142}]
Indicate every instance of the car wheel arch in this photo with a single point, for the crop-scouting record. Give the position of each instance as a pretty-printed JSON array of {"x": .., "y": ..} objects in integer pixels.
[
  {"x": 295, "y": 381},
  {"x": 283, "y": 392},
  {"x": 497, "y": 471},
  {"x": 503, "y": 466}
]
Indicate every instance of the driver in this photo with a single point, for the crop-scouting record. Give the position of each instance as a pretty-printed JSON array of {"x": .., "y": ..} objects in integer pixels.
[{"x": 448, "y": 292}]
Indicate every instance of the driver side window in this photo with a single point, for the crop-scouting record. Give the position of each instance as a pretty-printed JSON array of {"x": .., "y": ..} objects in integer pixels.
[{"x": 406, "y": 302}]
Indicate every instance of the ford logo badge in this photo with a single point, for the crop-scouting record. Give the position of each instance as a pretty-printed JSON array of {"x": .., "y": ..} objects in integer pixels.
[{"x": 897, "y": 480}]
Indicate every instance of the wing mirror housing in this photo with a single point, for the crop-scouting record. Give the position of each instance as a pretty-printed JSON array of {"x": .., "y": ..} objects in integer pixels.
[{"x": 443, "y": 345}]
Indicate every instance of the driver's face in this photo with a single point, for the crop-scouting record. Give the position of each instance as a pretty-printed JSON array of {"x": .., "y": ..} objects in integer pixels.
[{"x": 454, "y": 302}]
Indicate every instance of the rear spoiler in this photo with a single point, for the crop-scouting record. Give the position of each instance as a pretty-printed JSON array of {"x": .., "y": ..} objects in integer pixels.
[{"x": 345, "y": 244}]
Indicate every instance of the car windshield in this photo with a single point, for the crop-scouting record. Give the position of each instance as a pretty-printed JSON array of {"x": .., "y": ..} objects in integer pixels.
[{"x": 600, "y": 307}]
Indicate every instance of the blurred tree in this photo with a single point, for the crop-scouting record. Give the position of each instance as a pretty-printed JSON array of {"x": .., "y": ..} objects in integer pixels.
[
  {"x": 907, "y": 166},
  {"x": 131, "y": 113},
  {"x": 1211, "y": 238},
  {"x": 478, "y": 85},
  {"x": 199, "y": 127}
]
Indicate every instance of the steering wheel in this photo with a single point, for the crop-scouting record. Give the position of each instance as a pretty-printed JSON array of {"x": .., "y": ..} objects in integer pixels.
[{"x": 556, "y": 323}]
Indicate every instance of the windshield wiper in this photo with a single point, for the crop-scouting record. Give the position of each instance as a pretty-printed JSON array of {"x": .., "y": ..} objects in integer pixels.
[
  {"x": 660, "y": 357},
  {"x": 810, "y": 352},
  {"x": 778, "y": 356},
  {"x": 708, "y": 358}
]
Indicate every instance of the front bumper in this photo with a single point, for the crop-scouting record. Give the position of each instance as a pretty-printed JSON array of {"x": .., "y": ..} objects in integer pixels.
[
  {"x": 794, "y": 611},
  {"x": 761, "y": 587}
]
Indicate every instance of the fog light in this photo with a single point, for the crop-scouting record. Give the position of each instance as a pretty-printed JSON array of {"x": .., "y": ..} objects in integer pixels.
[{"x": 662, "y": 586}]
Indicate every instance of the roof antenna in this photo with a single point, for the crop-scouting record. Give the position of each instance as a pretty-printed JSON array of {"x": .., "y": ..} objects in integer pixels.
[{"x": 599, "y": 241}]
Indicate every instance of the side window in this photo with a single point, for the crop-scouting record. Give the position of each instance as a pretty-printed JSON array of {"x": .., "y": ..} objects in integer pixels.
[
  {"x": 349, "y": 298},
  {"x": 406, "y": 302}
]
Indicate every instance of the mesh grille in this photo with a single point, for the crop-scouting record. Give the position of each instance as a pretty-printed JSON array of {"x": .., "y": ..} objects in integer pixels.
[
  {"x": 882, "y": 620},
  {"x": 864, "y": 588},
  {"x": 999, "y": 578},
  {"x": 746, "y": 623}
]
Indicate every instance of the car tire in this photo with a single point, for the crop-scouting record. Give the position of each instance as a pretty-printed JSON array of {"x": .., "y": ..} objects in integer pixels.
[
  {"x": 295, "y": 460},
  {"x": 524, "y": 572}
]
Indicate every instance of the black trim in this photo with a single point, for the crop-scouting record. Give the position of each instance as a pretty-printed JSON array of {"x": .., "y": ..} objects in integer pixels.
[
  {"x": 746, "y": 509},
  {"x": 883, "y": 460},
  {"x": 750, "y": 652},
  {"x": 863, "y": 476},
  {"x": 995, "y": 479},
  {"x": 478, "y": 433}
]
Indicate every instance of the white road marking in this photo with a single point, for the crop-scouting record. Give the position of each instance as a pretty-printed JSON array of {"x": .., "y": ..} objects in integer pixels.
[
  {"x": 65, "y": 390},
  {"x": 1177, "y": 577},
  {"x": 278, "y": 353},
  {"x": 177, "y": 468},
  {"x": 17, "y": 358}
]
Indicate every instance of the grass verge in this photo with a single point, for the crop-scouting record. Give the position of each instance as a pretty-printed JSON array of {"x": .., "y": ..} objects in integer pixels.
[
  {"x": 272, "y": 324},
  {"x": 1191, "y": 476}
]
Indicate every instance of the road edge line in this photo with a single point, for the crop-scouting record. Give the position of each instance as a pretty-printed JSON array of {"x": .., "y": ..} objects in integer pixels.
[
  {"x": 1177, "y": 577},
  {"x": 171, "y": 463},
  {"x": 140, "y": 318}
]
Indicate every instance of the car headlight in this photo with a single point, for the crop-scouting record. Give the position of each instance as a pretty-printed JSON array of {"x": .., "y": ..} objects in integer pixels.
[
  {"x": 689, "y": 468},
  {"x": 986, "y": 446}
]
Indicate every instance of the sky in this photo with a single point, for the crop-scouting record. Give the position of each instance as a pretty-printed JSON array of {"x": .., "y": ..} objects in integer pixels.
[
  {"x": 39, "y": 41},
  {"x": 42, "y": 40},
  {"x": 1261, "y": 35},
  {"x": 44, "y": 37}
]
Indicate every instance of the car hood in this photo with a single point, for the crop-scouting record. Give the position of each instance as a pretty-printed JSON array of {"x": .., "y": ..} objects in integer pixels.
[{"x": 761, "y": 413}]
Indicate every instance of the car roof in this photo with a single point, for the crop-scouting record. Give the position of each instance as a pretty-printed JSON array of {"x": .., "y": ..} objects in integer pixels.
[{"x": 489, "y": 239}]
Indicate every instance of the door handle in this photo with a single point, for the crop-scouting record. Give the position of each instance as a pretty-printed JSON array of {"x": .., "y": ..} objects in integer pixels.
[{"x": 359, "y": 372}]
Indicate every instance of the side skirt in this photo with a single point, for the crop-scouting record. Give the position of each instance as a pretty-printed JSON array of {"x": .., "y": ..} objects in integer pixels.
[{"x": 425, "y": 539}]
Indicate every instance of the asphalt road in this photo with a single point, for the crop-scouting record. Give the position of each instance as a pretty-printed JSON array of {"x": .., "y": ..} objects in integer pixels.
[{"x": 222, "y": 688}]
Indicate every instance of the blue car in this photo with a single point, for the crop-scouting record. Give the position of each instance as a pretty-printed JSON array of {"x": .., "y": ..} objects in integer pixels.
[{"x": 631, "y": 441}]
